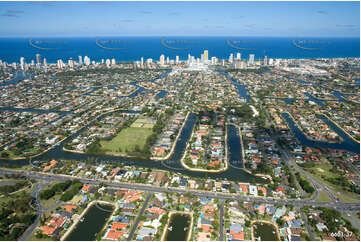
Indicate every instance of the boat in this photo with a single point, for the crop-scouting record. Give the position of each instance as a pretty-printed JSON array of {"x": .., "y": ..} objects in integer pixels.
[
  {"x": 170, "y": 228},
  {"x": 259, "y": 238},
  {"x": 273, "y": 232},
  {"x": 82, "y": 219},
  {"x": 185, "y": 229}
]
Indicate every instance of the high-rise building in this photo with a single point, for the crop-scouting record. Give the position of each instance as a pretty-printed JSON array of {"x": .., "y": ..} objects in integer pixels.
[
  {"x": 113, "y": 61},
  {"x": 177, "y": 59},
  {"x": 38, "y": 59},
  {"x": 86, "y": 60},
  {"x": 22, "y": 63},
  {"x": 270, "y": 62},
  {"x": 141, "y": 61},
  {"x": 205, "y": 56},
  {"x": 161, "y": 60},
  {"x": 71, "y": 63},
  {"x": 167, "y": 59},
  {"x": 32, "y": 63},
  {"x": 80, "y": 60},
  {"x": 238, "y": 56},
  {"x": 265, "y": 61},
  {"x": 60, "y": 64},
  {"x": 251, "y": 59},
  {"x": 214, "y": 60},
  {"x": 107, "y": 62},
  {"x": 45, "y": 62},
  {"x": 230, "y": 58}
]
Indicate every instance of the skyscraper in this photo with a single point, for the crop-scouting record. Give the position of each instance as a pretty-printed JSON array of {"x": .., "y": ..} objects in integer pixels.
[
  {"x": 265, "y": 61},
  {"x": 205, "y": 56},
  {"x": 22, "y": 63},
  {"x": 80, "y": 60},
  {"x": 60, "y": 64},
  {"x": 230, "y": 58},
  {"x": 177, "y": 59},
  {"x": 38, "y": 59},
  {"x": 238, "y": 56},
  {"x": 161, "y": 60},
  {"x": 71, "y": 63},
  {"x": 251, "y": 59},
  {"x": 107, "y": 62},
  {"x": 45, "y": 62},
  {"x": 86, "y": 60}
]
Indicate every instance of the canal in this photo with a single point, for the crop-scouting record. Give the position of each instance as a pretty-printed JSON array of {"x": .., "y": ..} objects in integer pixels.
[
  {"x": 178, "y": 227},
  {"x": 93, "y": 223},
  {"x": 264, "y": 232},
  {"x": 347, "y": 143}
]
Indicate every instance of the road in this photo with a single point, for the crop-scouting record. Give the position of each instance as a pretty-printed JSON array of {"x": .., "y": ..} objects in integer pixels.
[
  {"x": 221, "y": 221},
  {"x": 38, "y": 207},
  {"x": 199, "y": 193},
  {"x": 305, "y": 220},
  {"x": 135, "y": 225}
]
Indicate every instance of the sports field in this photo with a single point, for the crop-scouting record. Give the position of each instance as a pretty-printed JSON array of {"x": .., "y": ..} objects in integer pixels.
[{"x": 130, "y": 138}]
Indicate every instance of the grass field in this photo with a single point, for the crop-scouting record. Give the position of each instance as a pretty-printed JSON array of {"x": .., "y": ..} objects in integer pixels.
[
  {"x": 126, "y": 141},
  {"x": 322, "y": 197},
  {"x": 324, "y": 170}
]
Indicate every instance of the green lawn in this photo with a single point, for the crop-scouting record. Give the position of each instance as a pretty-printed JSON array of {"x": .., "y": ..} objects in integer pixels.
[
  {"x": 126, "y": 141},
  {"x": 322, "y": 197},
  {"x": 318, "y": 173}
]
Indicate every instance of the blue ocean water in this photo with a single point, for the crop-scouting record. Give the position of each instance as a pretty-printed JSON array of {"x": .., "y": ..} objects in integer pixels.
[{"x": 133, "y": 48}]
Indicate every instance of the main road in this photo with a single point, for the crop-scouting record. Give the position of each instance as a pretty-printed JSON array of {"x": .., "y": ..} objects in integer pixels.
[{"x": 199, "y": 193}]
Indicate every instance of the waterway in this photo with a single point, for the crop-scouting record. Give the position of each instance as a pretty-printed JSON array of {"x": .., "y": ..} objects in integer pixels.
[
  {"x": 19, "y": 76},
  {"x": 94, "y": 221},
  {"x": 234, "y": 147},
  {"x": 179, "y": 224},
  {"x": 347, "y": 143},
  {"x": 264, "y": 231},
  {"x": 242, "y": 90}
]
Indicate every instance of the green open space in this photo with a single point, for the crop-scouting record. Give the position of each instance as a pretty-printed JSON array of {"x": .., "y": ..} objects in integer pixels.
[
  {"x": 322, "y": 172},
  {"x": 127, "y": 141},
  {"x": 322, "y": 197}
]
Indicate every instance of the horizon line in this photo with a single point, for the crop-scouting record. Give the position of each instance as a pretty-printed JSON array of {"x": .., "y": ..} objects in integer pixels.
[{"x": 165, "y": 36}]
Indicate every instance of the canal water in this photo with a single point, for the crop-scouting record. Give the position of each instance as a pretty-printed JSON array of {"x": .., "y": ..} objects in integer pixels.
[
  {"x": 234, "y": 147},
  {"x": 242, "y": 90},
  {"x": 178, "y": 227},
  {"x": 171, "y": 164},
  {"x": 93, "y": 223},
  {"x": 347, "y": 144},
  {"x": 264, "y": 232}
]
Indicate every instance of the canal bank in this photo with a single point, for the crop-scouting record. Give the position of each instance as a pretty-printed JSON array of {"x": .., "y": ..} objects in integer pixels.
[
  {"x": 90, "y": 222},
  {"x": 178, "y": 228},
  {"x": 264, "y": 231},
  {"x": 347, "y": 144}
]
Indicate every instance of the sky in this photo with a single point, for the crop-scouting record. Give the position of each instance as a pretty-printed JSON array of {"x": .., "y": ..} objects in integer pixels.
[{"x": 271, "y": 19}]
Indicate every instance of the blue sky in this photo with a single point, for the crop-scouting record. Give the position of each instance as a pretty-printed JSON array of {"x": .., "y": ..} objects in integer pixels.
[{"x": 296, "y": 19}]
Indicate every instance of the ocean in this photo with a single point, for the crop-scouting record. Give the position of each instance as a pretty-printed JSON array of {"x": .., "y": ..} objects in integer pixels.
[{"x": 125, "y": 49}]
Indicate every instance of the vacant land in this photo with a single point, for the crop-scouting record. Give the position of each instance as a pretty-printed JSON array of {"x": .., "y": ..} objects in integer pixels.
[{"x": 130, "y": 141}]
